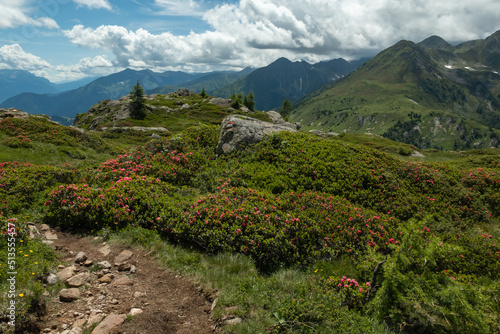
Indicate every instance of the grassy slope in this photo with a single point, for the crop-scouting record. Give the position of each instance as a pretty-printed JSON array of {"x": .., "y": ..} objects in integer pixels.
[
  {"x": 399, "y": 81},
  {"x": 308, "y": 186},
  {"x": 176, "y": 119}
]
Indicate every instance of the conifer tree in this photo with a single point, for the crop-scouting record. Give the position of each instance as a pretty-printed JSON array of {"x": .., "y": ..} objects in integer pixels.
[
  {"x": 203, "y": 93},
  {"x": 137, "y": 103},
  {"x": 249, "y": 101},
  {"x": 286, "y": 108}
]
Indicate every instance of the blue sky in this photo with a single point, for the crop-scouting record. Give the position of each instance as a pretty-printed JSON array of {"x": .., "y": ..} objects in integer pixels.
[{"x": 70, "y": 39}]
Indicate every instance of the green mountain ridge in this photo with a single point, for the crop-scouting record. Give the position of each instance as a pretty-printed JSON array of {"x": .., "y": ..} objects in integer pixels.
[
  {"x": 210, "y": 82},
  {"x": 284, "y": 79},
  {"x": 428, "y": 94}
]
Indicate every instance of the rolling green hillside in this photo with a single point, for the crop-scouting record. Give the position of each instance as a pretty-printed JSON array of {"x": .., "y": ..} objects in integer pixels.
[
  {"x": 172, "y": 111},
  {"x": 430, "y": 95},
  {"x": 323, "y": 235}
]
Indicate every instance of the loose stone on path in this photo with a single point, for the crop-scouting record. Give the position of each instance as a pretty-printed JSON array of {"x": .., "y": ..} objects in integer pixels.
[
  {"x": 112, "y": 322},
  {"x": 69, "y": 295},
  {"x": 123, "y": 256}
]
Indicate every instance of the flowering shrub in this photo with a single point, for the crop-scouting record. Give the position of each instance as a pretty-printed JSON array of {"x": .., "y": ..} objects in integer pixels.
[
  {"x": 22, "y": 185},
  {"x": 18, "y": 141},
  {"x": 24, "y": 131},
  {"x": 129, "y": 201},
  {"x": 352, "y": 293},
  {"x": 283, "y": 230}
]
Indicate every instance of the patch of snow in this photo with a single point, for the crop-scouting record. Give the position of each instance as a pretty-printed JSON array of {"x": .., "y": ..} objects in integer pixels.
[
  {"x": 448, "y": 67},
  {"x": 469, "y": 68},
  {"x": 414, "y": 102}
]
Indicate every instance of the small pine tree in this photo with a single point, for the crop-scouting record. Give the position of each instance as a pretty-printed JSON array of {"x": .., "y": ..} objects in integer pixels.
[
  {"x": 137, "y": 103},
  {"x": 203, "y": 93},
  {"x": 286, "y": 108},
  {"x": 236, "y": 101},
  {"x": 249, "y": 101}
]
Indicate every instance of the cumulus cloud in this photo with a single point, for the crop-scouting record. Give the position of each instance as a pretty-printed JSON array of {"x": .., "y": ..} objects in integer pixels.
[
  {"x": 94, "y": 4},
  {"x": 15, "y": 13},
  {"x": 256, "y": 32},
  {"x": 97, "y": 66},
  {"x": 14, "y": 57}
]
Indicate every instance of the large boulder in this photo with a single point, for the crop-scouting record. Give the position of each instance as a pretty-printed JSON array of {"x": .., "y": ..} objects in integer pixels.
[{"x": 237, "y": 132}]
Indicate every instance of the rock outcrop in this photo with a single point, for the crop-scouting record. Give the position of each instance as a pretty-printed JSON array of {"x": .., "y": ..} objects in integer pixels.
[
  {"x": 276, "y": 118},
  {"x": 237, "y": 132},
  {"x": 13, "y": 112}
]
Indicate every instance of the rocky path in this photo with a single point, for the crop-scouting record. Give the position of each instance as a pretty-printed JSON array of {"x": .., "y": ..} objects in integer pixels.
[{"x": 122, "y": 290}]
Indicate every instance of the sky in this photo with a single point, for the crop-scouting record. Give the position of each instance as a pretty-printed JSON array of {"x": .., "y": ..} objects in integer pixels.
[{"x": 64, "y": 40}]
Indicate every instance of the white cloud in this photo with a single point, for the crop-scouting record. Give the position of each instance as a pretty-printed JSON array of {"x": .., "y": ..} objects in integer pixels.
[
  {"x": 97, "y": 66},
  {"x": 94, "y": 4},
  {"x": 15, "y": 13},
  {"x": 256, "y": 32},
  {"x": 179, "y": 7},
  {"x": 14, "y": 57}
]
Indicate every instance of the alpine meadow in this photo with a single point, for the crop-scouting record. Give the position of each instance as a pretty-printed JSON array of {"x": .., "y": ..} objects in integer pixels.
[{"x": 385, "y": 218}]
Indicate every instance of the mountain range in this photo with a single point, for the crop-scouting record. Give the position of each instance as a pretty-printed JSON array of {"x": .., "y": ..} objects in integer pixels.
[
  {"x": 430, "y": 94},
  {"x": 284, "y": 79},
  {"x": 79, "y": 100},
  {"x": 270, "y": 85}
]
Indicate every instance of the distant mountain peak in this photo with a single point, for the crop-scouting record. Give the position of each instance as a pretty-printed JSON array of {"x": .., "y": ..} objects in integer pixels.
[{"x": 436, "y": 43}]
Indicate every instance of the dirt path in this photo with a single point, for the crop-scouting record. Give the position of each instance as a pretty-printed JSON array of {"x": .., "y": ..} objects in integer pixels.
[{"x": 165, "y": 302}]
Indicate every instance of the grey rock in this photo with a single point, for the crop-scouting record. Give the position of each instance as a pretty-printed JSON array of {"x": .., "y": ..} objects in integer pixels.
[
  {"x": 106, "y": 279},
  {"x": 224, "y": 103},
  {"x": 69, "y": 295},
  {"x": 123, "y": 281},
  {"x": 52, "y": 279},
  {"x": 155, "y": 136},
  {"x": 104, "y": 265},
  {"x": 237, "y": 132},
  {"x": 33, "y": 231},
  {"x": 13, "y": 113},
  {"x": 81, "y": 257},
  {"x": 94, "y": 318},
  {"x": 184, "y": 92},
  {"x": 50, "y": 236},
  {"x": 105, "y": 250},
  {"x": 66, "y": 273},
  {"x": 125, "y": 266},
  {"x": 78, "y": 280},
  {"x": 233, "y": 321},
  {"x": 136, "y": 311},
  {"x": 123, "y": 256},
  {"x": 110, "y": 324},
  {"x": 74, "y": 330}
]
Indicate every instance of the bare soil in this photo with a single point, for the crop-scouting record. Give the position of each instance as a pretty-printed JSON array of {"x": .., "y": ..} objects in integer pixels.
[{"x": 170, "y": 303}]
